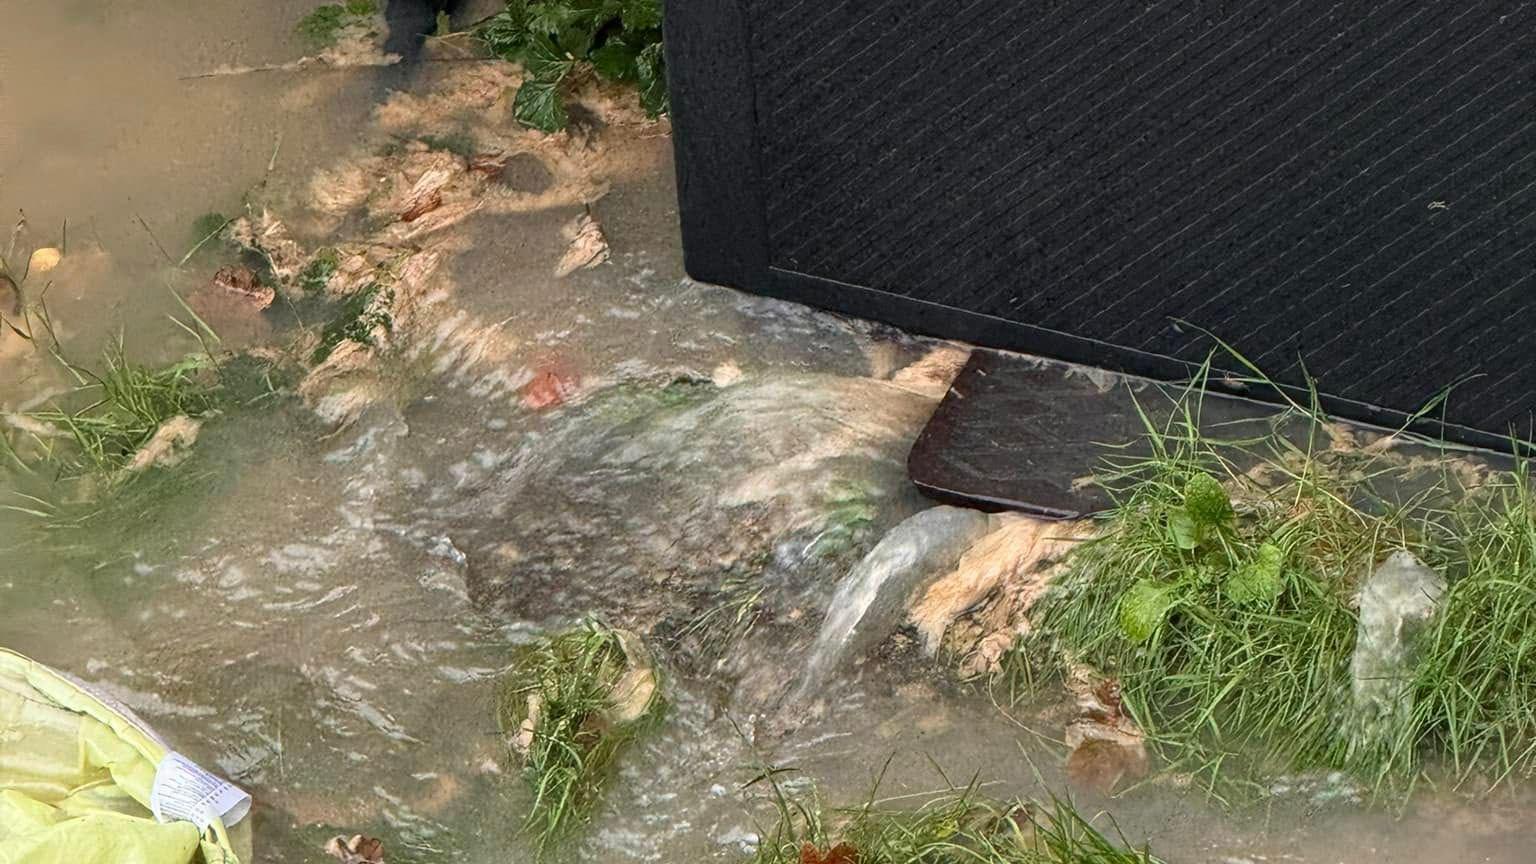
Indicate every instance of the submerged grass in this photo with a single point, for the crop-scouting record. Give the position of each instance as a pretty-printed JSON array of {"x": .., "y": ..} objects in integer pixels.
[
  {"x": 955, "y": 828},
  {"x": 122, "y": 405},
  {"x": 355, "y": 320},
  {"x": 563, "y": 706},
  {"x": 1222, "y": 593}
]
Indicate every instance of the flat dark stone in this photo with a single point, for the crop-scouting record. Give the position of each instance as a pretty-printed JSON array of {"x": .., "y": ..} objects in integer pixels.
[{"x": 1020, "y": 433}]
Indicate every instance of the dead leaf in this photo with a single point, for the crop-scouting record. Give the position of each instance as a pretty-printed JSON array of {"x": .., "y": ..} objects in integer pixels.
[
  {"x": 43, "y": 260},
  {"x": 357, "y": 850},
  {"x": 1107, "y": 747},
  {"x": 553, "y": 384},
  {"x": 422, "y": 206},
  {"x": 243, "y": 285},
  {"x": 1101, "y": 765},
  {"x": 588, "y": 248}
]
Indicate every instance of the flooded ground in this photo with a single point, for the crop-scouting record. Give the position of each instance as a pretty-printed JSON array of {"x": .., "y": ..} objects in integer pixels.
[{"x": 320, "y": 608}]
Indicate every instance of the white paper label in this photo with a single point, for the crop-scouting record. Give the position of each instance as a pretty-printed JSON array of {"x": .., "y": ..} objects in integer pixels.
[{"x": 185, "y": 792}]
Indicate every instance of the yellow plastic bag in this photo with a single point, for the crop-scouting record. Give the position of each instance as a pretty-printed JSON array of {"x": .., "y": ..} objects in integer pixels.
[{"x": 75, "y": 781}]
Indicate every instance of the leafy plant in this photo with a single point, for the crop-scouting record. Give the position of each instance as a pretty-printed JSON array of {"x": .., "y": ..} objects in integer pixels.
[
  {"x": 620, "y": 39},
  {"x": 1220, "y": 593},
  {"x": 571, "y": 704}
]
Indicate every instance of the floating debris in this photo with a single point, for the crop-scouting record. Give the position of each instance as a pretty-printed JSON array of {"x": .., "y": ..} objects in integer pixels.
[
  {"x": 588, "y": 247},
  {"x": 1106, "y": 747},
  {"x": 1019, "y": 555},
  {"x": 356, "y": 850},
  {"x": 171, "y": 445},
  {"x": 43, "y": 260}
]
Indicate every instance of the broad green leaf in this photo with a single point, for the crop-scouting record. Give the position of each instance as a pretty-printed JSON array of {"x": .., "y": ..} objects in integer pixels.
[
  {"x": 545, "y": 63},
  {"x": 538, "y": 105},
  {"x": 1144, "y": 608},
  {"x": 616, "y": 61},
  {"x": 1260, "y": 579},
  {"x": 652, "y": 71},
  {"x": 1206, "y": 501},
  {"x": 550, "y": 19},
  {"x": 1186, "y": 534}
]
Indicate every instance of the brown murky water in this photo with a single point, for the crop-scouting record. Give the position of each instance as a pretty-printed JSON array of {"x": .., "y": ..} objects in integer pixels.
[{"x": 320, "y": 614}]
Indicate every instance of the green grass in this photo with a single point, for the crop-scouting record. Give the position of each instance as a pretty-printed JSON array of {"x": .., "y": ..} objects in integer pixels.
[
  {"x": 566, "y": 683},
  {"x": 727, "y": 612},
  {"x": 1221, "y": 594},
  {"x": 1474, "y": 695},
  {"x": 117, "y": 409},
  {"x": 318, "y": 272},
  {"x": 619, "y": 39},
  {"x": 955, "y": 828}
]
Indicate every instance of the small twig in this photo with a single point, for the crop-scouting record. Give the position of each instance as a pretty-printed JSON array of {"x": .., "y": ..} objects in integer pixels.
[{"x": 151, "y": 233}]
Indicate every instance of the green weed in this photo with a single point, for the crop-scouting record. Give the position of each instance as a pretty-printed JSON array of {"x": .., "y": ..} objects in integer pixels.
[
  {"x": 318, "y": 272},
  {"x": 1473, "y": 696},
  {"x": 956, "y": 828},
  {"x": 730, "y": 611},
  {"x": 1221, "y": 593},
  {"x": 565, "y": 696},
  {"x": 459, "y": 143},
  {"x": 356, "y": 320},
  {"x": 120, "y": 408},
  {"x": 620, "y": 39}
]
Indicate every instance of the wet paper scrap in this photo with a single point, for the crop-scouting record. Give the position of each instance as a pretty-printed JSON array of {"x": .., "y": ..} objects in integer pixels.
[{"x": 184, "y": 791}]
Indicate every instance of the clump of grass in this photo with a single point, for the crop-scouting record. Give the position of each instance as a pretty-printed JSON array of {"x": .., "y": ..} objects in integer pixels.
[
  {"x": 1221, "y": 593},
  {"x": 322, "y": 26},
  {"x": 1228, "y": 621},
  {"x": 571, "y": 704},
  {"x": 1472, "y": 699},
  {"x": 729, "y": 611},
  {"x": 620, "y": 39},
  {"x": 121, "y": 406},
  {"x": 957, "y": 828}
]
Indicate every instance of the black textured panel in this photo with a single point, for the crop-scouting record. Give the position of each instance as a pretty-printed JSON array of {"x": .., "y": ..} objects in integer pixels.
[{"x": 1348, "y": 186}]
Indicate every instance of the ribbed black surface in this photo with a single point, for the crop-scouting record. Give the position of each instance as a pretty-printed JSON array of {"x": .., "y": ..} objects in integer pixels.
[{"x": 1348, "y": 184}]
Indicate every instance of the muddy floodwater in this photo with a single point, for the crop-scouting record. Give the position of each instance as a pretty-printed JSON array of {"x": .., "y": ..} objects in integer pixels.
[{"x": 320, "y": 606}]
